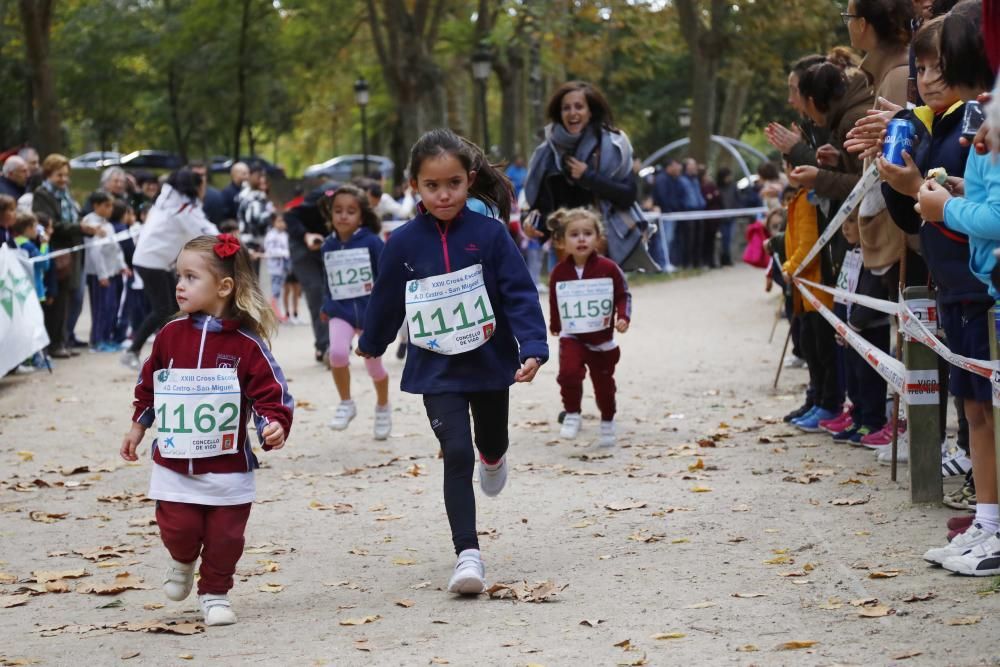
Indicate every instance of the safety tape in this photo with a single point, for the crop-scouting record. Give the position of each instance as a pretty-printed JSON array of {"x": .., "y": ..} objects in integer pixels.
[
  {"x": 114, "y": 238},
  {"x": 868, "y": 180},
  {"x": 708, "y": 215}
]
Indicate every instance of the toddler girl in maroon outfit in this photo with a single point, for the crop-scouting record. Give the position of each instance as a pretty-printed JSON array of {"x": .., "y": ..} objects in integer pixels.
[
  {"x": 588, "y": 301},
  {"x": 208, "y": 372}
]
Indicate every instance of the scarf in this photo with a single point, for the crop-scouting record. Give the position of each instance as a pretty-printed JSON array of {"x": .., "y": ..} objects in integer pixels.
[{"x": 68, "y": 208}]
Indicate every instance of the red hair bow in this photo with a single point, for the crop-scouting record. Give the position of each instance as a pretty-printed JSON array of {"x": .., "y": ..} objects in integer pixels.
[{"x": 227, "y": 246}]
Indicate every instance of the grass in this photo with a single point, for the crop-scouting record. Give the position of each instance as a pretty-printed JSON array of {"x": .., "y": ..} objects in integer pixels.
[{"x": 993, "y": 587}]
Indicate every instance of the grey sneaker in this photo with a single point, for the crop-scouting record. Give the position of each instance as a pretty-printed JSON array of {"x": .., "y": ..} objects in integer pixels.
[
  {"x": 469, "y": 577},
  {"x": 958, "y": 546},
  {"x": 383, "y": 422},
  {"x": 178, "y": 580},
  {"x": 570, "y": 426},
  {"x": 346, "y": 411},
  {"x": 493, "y": 476},
  {"x": 217, "y": 609},
  {"x": 607, "y": 434}
]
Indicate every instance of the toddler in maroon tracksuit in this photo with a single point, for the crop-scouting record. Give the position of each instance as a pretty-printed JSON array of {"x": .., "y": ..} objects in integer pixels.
[
  {"x": 588, "y": 300},
  {"x": 208, "y": 372}
]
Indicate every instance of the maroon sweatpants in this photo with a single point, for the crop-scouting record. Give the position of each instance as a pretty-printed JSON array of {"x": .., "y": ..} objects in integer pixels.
[
  {"x": 214, "y": 533},
  {"x": 574, "y": 360}
]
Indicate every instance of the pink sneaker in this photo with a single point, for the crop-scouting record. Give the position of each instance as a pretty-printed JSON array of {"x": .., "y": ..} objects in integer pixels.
[
  {"x": 837, "y": 424},
  {"x": 883, "y": 437}
]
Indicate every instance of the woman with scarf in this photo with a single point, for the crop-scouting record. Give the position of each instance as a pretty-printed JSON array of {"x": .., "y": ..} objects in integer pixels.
[
  {"x": 586, "y": 161},
  {"x": 53, "y": 198}
]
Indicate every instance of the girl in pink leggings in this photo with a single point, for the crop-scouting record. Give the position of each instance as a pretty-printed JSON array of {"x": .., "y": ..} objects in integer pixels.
[{"x": 350, "y": 261}]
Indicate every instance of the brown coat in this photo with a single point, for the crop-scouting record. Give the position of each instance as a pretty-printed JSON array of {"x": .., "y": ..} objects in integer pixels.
[{"x": 843, "y": 114}]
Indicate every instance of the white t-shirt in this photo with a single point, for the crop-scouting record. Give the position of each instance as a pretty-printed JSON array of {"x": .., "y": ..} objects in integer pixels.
[{"x": 234, "y": 488}]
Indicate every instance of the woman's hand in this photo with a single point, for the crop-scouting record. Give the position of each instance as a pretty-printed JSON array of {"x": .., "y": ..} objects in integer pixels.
[
  {"x": 527, "y": 371},
  {"x": 274, "y": 435},
  {"x": 576, "y": 167},
  {"x": 932, "y": 198},
  {"x": 827, "y": 156},
  {"x": 805, "y": 176},
  {"x": 621, "y": 326},
  {"x": 313, "y": 241},
  {"x": 905, "y": 180},
  {"x": 863, "y": 138},
  {"x": 131, "y": 442},
  {"x": 782, "y": 138}
]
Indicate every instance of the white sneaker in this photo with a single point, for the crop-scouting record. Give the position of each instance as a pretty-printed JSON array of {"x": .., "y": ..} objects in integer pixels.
[
  {"x": 469, "y": 577},
  {"x": 217, "y": 609},
  {"x": 974, "y": 536},
  {"x": 178, "y": 580},
  {"x": 570, "y": 426},
  {"x": 346, "y": 411},
  {"x": 607, "y": 434},
  {"x": 130, "y": 360},
  {"x": 884, "y": 455},
  {"x": 982, "y": 560},
  {"x": 493, "y": 476},
  {"x": 383, "y": 422},
  {"x": 24, "y": 369},
  {"x": 955, "y": 465}
]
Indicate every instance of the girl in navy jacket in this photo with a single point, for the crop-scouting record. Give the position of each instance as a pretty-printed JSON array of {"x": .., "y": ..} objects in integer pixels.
[
  {"x": 474, "y": 319},
  {"x": 350, "y": 257}
]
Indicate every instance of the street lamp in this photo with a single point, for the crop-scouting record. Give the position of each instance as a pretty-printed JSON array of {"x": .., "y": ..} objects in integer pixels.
[
  {"x": 482, "y": 65},
  {"x": 361, "y": 96},
  {"x": 684, "y": 117}
]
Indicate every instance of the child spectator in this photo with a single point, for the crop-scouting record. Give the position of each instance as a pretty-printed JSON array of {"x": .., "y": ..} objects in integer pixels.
[
  {"x": 104, "y": 267},
  {"x": 279, "y": 262}
]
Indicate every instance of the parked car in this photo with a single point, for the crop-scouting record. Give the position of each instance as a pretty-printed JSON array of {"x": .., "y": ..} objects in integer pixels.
[
  {"x": 149, "y": 159},
  {"x": 95, "y": 160},
  {"x": 345, "y": 167},
  {"x": 273, "y": 170}
]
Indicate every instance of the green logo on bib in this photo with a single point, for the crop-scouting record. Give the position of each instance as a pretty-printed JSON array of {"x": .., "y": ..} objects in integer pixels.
[
  {"x": 413, "y": 286},
  {"x": 163, "y": 375}
]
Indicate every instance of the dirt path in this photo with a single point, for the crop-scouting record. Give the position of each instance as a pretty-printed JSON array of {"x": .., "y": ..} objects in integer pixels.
[{"x": 726, "y": 562}]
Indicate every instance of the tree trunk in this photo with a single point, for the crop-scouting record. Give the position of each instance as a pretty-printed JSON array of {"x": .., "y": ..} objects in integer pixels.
[
  {"x": 509, "y": 74},
  {"x": 708, "y": 46},
  {"x": 241, "y": 80},
  {"x": 36, "y": 20},
  {"x": 173, "y": 99}
]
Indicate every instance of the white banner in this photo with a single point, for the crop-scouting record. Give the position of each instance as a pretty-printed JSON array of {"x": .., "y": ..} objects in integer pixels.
[{"x": 22, "y": 324}]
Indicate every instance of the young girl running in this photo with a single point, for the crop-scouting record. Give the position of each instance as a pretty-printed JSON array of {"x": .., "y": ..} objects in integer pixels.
[
  {"x": 588, "y": 301},
  {"x": 475, "y": 324},
  {"x": 350, "y": 258},
  {"x": 209, "y": 371}
]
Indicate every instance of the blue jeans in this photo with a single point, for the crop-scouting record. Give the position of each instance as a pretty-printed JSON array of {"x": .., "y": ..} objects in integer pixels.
[
  {"x": 659, "y": 243},
  {"x": 726, "y": 242}
]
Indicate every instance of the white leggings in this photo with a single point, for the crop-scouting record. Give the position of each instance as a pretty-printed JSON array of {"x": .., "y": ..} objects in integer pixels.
[{"x": 341, "y": 336}]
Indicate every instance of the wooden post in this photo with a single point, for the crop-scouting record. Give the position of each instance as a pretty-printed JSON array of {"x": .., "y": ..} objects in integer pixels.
[
  {"x": 922, "y": 412},
  {"x": 994, "y": 320}
]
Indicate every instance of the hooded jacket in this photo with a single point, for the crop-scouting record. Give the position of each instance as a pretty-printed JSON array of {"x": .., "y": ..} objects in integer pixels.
[
  {"x": 978, "y": 215},
  {"x": 351, "y": 311},
  {"x": 425, "y": 247},
  {"x": 841, "y": 117},
  {"x": 945, "y": 251},
  {"x": 173, "y": 221},
  {"x": 264, "y": 392}
]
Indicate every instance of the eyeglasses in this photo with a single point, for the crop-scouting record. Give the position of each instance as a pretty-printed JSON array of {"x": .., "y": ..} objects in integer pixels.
[{"x": 847, "y": 17}]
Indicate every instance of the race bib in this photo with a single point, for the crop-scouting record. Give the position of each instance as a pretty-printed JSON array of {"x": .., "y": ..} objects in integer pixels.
[
  {"x": 348, "y": 273},
  {"x": 849, "y": 272},
  {"x": 197, "y": 412},
  {"x": 451, "y": 313},
  {"x": 585, "y": 305}
]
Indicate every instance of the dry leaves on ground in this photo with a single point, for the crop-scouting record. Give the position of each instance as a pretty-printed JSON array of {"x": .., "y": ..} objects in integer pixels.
[
  {"x": 360, "y": 621},
  {"x": 522, "y": 591},
  {"x": 795, "y": 645},
  {"x": 7, "y": 601},
  {"x": 624, "y": 506},
  {"x": 668, "y": 635},
  {"x": 963, "y": 620},
  {"x": 47, "y": 517},
  {"x": 157, "y": 627},
  {"x": 338, "y": 508},
  {"x": 876, "y": 611},
  {"x": 921, "y": 597},
  {"x": 883, "y": 574},
  {"x": 271, "y": 588},
  {"x": 850, "y": 501},
  {"x": 123, "y": 581}
]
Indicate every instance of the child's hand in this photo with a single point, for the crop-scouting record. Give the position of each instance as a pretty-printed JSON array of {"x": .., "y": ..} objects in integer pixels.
[
  {"x": 768, "y": 283},
  {"x": 274, "y": 435},
  {"x": 932, "y": 199},
  {"x": 621, "y": 326},
  {"x": 904, "y": 179},
  {"x": 527, "y": 371},
  {"x": 131, "y": 442},
  {"x": 103, "y": 282}
]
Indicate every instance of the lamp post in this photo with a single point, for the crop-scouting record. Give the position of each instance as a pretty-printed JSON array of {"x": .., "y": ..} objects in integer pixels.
[
  {"x": 361, "y": 96},
  {"x": 684, "y": 117},
  {"x": 482, "y": 65}
]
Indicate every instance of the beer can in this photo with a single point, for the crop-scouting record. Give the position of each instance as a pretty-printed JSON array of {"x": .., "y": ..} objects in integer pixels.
[{"x": 899, "y": 137}]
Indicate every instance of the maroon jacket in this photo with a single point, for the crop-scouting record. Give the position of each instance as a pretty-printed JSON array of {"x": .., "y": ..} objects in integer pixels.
[
  {"x": 596, "y": 267},
  {"x": 262, "y": 384}
]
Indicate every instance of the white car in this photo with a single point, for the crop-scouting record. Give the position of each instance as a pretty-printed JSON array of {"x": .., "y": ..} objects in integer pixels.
[{"x": 95, "y": 160}]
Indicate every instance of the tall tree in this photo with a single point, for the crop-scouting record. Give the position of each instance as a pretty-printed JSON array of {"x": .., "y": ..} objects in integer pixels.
[
  {"x": 708, "y": 43},
  {"x": 36, "y": 19}
]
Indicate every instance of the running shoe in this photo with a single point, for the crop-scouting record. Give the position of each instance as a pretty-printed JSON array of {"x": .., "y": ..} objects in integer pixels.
[
  {"x": 958, "y": 546},
  {"x": 469, "y": 577},
  {"x": 982, "y": 560},
  {"x": 810, "y": 423},
  {"x": 839, "y": 423},
  {"x": 955, "y": 465}
]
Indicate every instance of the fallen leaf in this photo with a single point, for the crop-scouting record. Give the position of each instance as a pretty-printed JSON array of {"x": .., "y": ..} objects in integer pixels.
[
  {"x": 625, "y": 645},
  {"x": 701, "y": 605},
  {"x": 700, "y": 489},
  {"x": 362, "y": 645},
  {"x": 130, "y": 655},
  {"x": 271, "y": 588},
  {"x": 621, "y": 507},
  {"x": 41, "y": 576},
  {"x": 583, "y": 524},
  {"x": 7, "y": 601},
  {"x": 887, "y": 574},
  {"x": 359, "y": 552},
  {"x": 185, "y": 656},
  {"x": 749, "y": 595},
  {"x": 102, "y": 553},
  {"x": 963, "y": 620},
  {"x": 592, "y": 623},
  {"x": 6, "y": 578},
  {"x": 360, "y": 621},
  {"x": 850, "y": 501},
  {"x": 524, "y": 592},
  {"x": 782, "y": 559},
  {"x": 390, "y": 517},
  {"x": 403, "y": 561},
  {"x": 152, "y": 606},
  {"x": 747, "y": 648},
  {"x": 78, "y": 470},
  {"x": 877, "y": 611},
  {"x": 699, "y": 464},
  {"x": 114, "y": 604},
  {"x": 26, "y": 456},
  {"x": 338, "y": 508},
  {"x": 864, "y": 602},
  {"x": 405, "y": 604},
  {"x": 164, "y": 627},
  {"x": 740, "y": 508},
  {"x": 907, "y": 654},
  {"x": 921, "y": 597},
  {"x": 832, "y": 603},
  {"x": 47, "y": 517},
  {"x": 439, "y": 661},
  {"x": 669, "y": 635},
  {"x": 646, "y": 537},
  {"x": 123, "y": 581},
  {"x": 794, "y": 645}
]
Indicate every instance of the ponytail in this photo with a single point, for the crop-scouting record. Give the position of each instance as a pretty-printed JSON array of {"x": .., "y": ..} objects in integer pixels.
[{"x": 824, "y": 83}]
